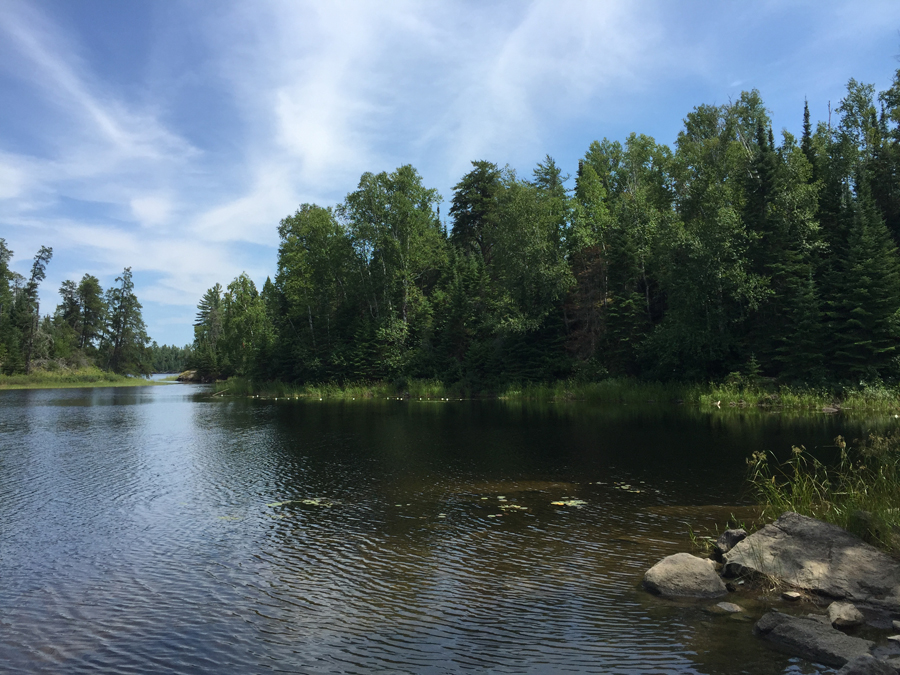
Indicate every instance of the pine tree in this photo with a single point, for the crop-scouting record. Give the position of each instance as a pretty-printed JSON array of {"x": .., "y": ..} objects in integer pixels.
[
  {"x": 806, "y": 140},
  {"x": 125, "y": 338},
  {"x": 864, "y": 313}
]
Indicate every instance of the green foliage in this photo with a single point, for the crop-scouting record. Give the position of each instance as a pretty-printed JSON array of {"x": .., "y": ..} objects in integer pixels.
[
  {"x": 86, "y": 328},
  {"x": 729, "y": 253},
  {"x": 123, "y": 345},
  {"x": 168, "y": 358},
  {"x": 860, "y": 493}
]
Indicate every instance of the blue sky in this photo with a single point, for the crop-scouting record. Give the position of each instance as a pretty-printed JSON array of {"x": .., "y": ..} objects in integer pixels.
[{"x": 172, "y": 136}]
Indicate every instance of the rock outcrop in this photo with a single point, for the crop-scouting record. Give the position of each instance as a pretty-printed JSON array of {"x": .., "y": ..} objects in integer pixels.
[
  {"x": 684, "y": 575},
  {"x": 818, "y": 557},
  {"x": 811, "y": 637},
  {"x": 867, "y": 665}
]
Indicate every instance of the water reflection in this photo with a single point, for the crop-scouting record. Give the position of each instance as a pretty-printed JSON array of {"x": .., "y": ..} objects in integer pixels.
[{"x": 161, "y": 529}]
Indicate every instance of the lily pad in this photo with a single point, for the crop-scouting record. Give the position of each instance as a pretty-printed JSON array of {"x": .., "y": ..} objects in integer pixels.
[
  {"x": 315, "y": 501},
  {"x": 570, "y": 502}
]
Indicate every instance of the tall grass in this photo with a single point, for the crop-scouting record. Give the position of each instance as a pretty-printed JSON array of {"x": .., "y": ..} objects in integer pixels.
[
  {"x": 61, "y": 378},
  {"x": 613, "y": 390},
  {"x": 861, "y": 493},
  {"x": 881, "y": 398},
  {"x": 730, "y": 394},
  {"x": 411, "y": 389}
]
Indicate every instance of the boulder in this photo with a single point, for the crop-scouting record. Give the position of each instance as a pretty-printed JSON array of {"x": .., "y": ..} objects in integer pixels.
[
  {"x": 811, "y": 638},
  {"x": 728, "y": 539},
  {"x": 819, "y": 557},
  {"x": 867, "y": 665},
  {"x": 844, "y": 615},
  {"x": 684, "y": 575}
]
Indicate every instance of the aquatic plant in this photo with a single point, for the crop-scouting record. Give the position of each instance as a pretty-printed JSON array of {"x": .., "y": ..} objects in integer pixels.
[{"x": 860, "y": 493}]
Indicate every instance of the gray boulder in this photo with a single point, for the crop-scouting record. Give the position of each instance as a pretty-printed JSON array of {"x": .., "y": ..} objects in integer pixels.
[
  {"x": 811, "y": 638},
  {"x": 728, "y": 539},
  {"x": 684, "y": 575},
  {"x": 867, "y": 665},
  {"x": 844, "y": 615},
  {"x": 819, "y": 557}
]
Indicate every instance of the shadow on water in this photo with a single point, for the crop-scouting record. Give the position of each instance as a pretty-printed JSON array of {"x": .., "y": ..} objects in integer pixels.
[{"x": 165, "y": 529}]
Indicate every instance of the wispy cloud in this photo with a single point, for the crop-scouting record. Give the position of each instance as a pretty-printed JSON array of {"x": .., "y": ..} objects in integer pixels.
[{"x": 242, "y": 112}]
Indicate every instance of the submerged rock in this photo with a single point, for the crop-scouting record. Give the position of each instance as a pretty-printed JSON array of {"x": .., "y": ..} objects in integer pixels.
[
  {"x": 867, "y": 665},
  {"x": 811, "y": 638},
  {"x": 819, "y": 557},
  {"x": 730, "y": 607},
  {"x": 844, "y": 615},
  {"x": 684, "y": 575}
]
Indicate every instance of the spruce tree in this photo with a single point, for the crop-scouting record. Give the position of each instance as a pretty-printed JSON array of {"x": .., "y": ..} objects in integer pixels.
[{"x": 864, "y": 312}]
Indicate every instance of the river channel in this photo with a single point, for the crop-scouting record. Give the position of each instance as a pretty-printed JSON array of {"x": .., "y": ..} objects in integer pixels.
[{"x": 160, "y": 529}]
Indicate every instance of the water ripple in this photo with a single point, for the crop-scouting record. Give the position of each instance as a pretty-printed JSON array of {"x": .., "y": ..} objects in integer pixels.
[{"x": 159, "y": 530}]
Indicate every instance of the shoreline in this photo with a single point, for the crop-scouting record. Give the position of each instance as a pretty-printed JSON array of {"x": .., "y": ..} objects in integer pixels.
[
  {"x": 87, "y": 378},
  {"x": 622, "y": 391}
]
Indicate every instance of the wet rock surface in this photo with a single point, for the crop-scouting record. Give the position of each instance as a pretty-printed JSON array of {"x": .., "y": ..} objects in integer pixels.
[
  {"x": 807, "y": 563},
  {"x": 867, "y": 665},
  {"x": 819, "y": 557},
  {"x": 686, "y": 576},
  {"x": 811, "y": 637}
]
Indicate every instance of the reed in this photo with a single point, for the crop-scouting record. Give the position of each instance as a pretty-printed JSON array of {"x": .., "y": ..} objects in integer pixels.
[{"x": 861, "y": 493}]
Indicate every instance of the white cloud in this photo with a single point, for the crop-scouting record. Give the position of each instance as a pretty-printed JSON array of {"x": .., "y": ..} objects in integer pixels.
[
  {"x": 312, "y": 94},
  {"x": 254, "y": 216},
  {"x": 12, "y": 179},
  {"x": 151, "y": 209},
  {"x": 53, "y": 63}
]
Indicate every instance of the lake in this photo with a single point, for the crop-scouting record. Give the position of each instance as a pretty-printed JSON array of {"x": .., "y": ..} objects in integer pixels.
[{"x": 160, "y": 529}]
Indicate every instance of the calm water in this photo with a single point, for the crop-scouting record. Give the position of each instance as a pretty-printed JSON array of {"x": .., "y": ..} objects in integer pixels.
[{"x": 161, "y": 530}]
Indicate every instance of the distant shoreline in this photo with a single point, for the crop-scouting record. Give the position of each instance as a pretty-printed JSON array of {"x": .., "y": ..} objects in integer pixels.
[
  {"x": 763, "y": 396},
  {"x": 73, "y": 379}
]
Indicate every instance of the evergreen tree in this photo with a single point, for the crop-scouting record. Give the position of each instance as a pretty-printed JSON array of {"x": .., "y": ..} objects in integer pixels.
[
  {"x": 864, "y": 314},
  {"x": 9, "y": 345},
  {"x": 806, "y": 140},
  {"x": 125, "y": 338},
  {"x": 27, "y": 306},
  {"x": 207, "y": 331},
  {"x": 93, "y": 312},
  {"x": 475, "y": 209}
]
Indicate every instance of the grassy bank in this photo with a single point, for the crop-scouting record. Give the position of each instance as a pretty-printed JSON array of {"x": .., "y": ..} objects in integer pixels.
[
  {"x": 620, "y": 390},
  {"x": 70, "y": 378},
  {"x": 861, "y": 493},
  {"x": 424, "y": 389}
]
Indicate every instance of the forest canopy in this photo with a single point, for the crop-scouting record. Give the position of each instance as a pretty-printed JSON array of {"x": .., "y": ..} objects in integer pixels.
[{"x": 733, "y": 251}]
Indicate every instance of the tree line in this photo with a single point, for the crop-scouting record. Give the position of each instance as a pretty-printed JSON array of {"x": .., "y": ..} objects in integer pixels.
[
  {"x": 728, "y": 253},
  {"x": 89, "y": 327}
]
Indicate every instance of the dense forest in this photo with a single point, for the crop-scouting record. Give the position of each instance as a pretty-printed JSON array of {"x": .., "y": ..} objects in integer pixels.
[
  {"x": 732, "y": 253},
  {"x": 89, "y": 327}
]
